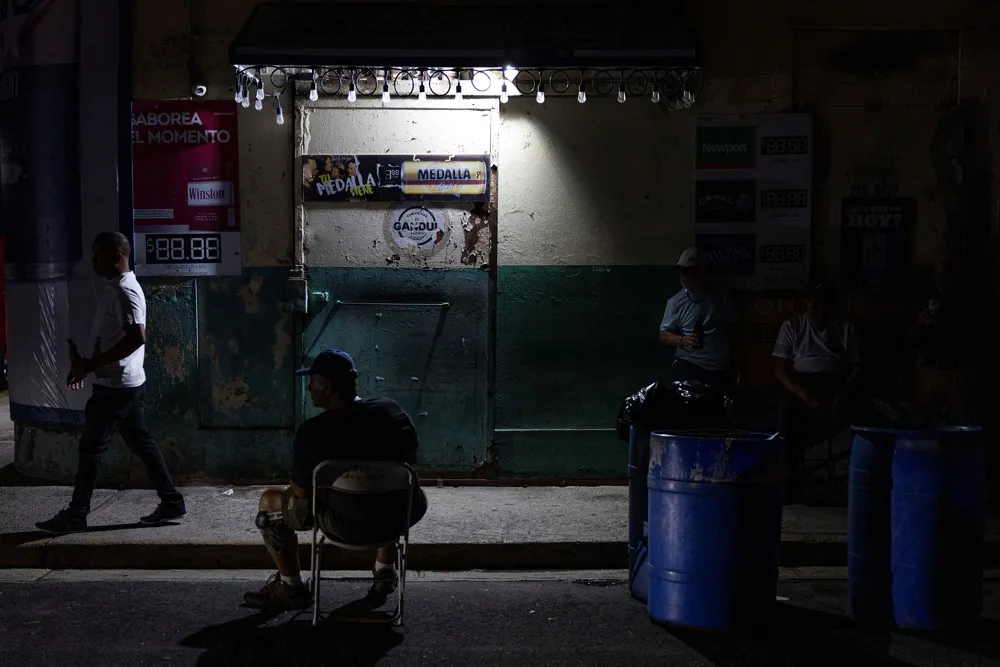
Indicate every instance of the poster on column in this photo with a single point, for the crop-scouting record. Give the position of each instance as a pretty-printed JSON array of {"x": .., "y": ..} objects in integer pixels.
[
  {"x": 186, "y": 188},
  {"x": 875, "y": 241},
  {"x": 753, "y": 198}
]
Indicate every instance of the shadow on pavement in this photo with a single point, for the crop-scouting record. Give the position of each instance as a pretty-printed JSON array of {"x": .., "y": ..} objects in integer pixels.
[
  {"x": 249, "y": 641},
  {"x": 980, "y": 639},
  {"x": 23, "y": 537},
  {"x": 800, "y": 637}
]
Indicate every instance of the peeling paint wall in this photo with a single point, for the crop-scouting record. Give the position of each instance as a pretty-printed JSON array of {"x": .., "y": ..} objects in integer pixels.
[{"x": 343, "y": 235}]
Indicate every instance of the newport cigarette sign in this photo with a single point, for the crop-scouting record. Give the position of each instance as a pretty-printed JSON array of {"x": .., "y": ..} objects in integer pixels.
[{"x": 726, "y": 147}]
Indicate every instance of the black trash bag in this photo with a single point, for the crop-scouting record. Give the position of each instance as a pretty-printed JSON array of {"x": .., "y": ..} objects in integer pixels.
[
  {"x": 681, "y": 404},
  {"x": 632, "y": 411}
]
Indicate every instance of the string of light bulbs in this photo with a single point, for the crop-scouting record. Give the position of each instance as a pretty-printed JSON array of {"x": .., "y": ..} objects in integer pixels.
[{"x": 677, "y": 86}]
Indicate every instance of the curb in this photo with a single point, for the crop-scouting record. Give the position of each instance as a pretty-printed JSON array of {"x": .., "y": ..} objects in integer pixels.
[
  {"x": 447, "y": 557},
  {"x": 438, "y": 557}
]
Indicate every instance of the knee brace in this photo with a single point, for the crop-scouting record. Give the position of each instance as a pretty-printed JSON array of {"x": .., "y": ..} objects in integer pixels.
[{"x": 276, "y": 533}]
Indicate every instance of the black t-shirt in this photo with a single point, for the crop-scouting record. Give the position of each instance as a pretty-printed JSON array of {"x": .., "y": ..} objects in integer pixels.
[{"x": 372, "y": 429}]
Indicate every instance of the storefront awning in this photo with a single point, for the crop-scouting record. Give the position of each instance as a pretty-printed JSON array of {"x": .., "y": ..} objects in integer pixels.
[{"x": 419, "y": 35}]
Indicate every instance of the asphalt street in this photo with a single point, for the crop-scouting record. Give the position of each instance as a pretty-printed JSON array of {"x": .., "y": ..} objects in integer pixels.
[{"x": 586, "y": 618}]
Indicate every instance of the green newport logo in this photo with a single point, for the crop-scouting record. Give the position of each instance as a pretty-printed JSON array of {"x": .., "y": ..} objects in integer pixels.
[{"x": 731, "y": 147}]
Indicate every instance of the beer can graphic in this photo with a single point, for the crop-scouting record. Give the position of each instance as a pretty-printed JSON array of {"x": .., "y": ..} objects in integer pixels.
[{"x": 453, "y": 178}]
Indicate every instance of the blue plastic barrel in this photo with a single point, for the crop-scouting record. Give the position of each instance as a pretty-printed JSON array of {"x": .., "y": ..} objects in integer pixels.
[
  {"x": 638, "y": 499},
  {"x": 938, "y": 522},
  {"x": 715, "y": 506},
  {"x": 869, "y": 525},
  {"x": 916, "y": 521}
]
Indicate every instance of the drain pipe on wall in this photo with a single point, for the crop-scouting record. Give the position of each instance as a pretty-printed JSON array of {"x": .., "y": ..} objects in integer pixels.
[{"x": 295, "y": 298}]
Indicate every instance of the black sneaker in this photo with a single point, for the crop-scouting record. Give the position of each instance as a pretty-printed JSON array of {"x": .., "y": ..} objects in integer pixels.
[
  {"x": 164, "y": 513},
  {"x": 66, "y": 521},
  {"x": 276, "y": 594},
  {"x": 386, "y": 581}
]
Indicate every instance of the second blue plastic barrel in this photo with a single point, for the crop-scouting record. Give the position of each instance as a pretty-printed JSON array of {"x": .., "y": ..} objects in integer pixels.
[
  {"x": 916, "y": 521},
  {"x": 938, "y": 521},
  {"x": 638, "y": 499},
  {"x": 869, "y": 525},
  {"x": 715, "y": 506}
]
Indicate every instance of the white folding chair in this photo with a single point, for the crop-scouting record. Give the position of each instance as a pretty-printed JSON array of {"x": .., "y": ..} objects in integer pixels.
[{"x": 338, "y": 477}]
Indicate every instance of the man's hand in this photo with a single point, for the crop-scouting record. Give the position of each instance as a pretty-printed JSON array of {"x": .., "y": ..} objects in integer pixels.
[
  {"x": 814, "y": 403},
  {"x": 79, "y": 369},
  {"x": 691, "y": 341},
  {"x": 837, "y": 406}
]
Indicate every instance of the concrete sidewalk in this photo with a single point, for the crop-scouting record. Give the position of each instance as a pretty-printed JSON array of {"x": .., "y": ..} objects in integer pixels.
[{"x": 465, "y": 528}]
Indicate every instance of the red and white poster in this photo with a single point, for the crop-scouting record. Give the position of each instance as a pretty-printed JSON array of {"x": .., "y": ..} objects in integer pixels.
[{"x": 185, "y": 176}]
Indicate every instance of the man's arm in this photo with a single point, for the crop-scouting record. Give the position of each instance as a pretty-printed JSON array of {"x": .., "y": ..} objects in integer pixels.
[
  {"x": 783, "y": 355},
  {"x": 134, "y": 337},
  {"x": 853, "y": 347},
  {"x": 301, "y": 474},
  {"x": 669, "y": 328},
  {"x": 783, "y": 373}
]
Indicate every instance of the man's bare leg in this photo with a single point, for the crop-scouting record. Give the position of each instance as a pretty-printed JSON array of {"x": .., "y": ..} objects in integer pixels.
[
  {"x": 286, "y": 589},
  {"x": 287, "y": 559}
]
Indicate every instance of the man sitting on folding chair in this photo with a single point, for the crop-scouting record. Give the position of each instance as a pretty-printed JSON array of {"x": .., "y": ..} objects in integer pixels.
[{"x": 353, "y": 428}]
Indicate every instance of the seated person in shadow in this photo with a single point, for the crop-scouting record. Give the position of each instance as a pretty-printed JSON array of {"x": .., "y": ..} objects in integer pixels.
[
  {"x": 817, "y": 363},
  {"x": 374, "y": 429}
]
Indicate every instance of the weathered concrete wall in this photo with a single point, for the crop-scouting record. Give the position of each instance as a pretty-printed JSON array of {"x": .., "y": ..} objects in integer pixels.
[{"x": 595, "y": 201}]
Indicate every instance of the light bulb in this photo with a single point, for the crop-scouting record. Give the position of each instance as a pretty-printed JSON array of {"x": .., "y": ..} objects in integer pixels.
[
  {"x": 385, "y": 93},
  {"x": 621, "y": 93},
  {"x": 352, "y": 93},
  {"x": 656, "y": 95},
  {"x": 540, "y": 97},
  {"x": 314, "y": 91},
  {"x": 688, "y": 98},
  {"x": 281, "y": 116},
  {"x": 246, "y": 102},
  {"x": 260, "y": 91},
  {"x": 581, "y": 96},
  {"x": 503, "y": 93},
  {"x": 258, "y": 105},
  {"x": 239, "y": 93},
  {"x": 422, "y": 94},
  {"x": 458, "y": 91}
]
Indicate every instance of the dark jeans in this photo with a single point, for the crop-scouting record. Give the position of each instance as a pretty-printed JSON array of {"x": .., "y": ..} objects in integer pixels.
[
  {"x": 107, "y": 410},
  {"x": 797, "y": 423}
]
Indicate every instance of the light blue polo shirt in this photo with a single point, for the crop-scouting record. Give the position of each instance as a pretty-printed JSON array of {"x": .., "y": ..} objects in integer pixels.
[{"x": 715, "y": 307}]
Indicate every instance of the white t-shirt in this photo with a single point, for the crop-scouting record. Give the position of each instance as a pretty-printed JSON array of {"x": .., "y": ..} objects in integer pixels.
[
  {"x": 811, "y": 350},
  {"x": 122, "y": 304}
]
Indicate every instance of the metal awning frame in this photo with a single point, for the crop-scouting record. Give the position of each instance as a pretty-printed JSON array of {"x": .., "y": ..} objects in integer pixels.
[{"x": 677, "y": 86}]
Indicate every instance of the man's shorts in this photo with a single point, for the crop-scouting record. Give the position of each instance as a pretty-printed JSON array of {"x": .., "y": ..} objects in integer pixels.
[{"x": 366, "y": 520}]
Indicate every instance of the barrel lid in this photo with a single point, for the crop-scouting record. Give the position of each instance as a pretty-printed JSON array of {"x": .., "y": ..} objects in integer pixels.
[{"x": 910, "y": 432}]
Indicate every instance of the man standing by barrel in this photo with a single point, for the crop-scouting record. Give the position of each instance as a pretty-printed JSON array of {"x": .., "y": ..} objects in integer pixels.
[
  {"x": 698, "y": 321},
  {"x": 118, "y": 338}
]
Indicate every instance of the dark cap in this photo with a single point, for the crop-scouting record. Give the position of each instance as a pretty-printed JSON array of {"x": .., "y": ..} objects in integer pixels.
[
  {"x": 334, "y": 365},
  {"x": 822, "y": 292}
]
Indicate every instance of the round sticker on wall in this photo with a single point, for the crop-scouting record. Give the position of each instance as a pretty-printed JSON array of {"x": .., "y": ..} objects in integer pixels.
[{"x": 416, "y": 226}]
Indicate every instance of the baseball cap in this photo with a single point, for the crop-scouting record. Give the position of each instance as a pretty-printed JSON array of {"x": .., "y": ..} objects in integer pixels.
[
  {"x": 334, "y": 365},
  {"x": 689, "y": 258}
]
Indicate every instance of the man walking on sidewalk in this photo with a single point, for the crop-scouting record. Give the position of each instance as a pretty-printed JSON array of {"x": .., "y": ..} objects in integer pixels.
[{"x": 118, "y": 336}]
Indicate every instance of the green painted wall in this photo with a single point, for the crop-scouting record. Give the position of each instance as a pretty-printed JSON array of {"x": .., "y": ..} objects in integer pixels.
[
  {"x": 572, "y": 342},
  {"x": 219, "y": 361},
  {"x": 432, "y": 360}
]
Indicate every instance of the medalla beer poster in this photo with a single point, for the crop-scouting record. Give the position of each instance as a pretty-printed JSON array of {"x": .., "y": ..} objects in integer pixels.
[{"x": 443, "y": 178}]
